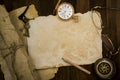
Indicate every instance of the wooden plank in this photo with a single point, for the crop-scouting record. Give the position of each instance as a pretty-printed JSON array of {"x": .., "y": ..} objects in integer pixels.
[
  {"x": 118, "y": 23},
  {"x": 82, "y": 6}
]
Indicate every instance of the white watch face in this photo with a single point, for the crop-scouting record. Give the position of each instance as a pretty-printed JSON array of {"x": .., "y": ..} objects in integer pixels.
[{"x": 65, "y": 11}]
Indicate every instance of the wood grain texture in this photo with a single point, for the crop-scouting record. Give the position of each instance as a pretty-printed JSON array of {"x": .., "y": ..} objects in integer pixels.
[{"x": 111, "y": 22}]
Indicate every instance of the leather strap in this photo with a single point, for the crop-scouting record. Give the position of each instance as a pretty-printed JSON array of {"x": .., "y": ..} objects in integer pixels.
[{"x": 109, "y": 45}]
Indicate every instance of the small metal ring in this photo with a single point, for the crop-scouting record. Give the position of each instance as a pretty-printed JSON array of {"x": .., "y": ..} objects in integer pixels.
[{"x": 94, "y": 11}]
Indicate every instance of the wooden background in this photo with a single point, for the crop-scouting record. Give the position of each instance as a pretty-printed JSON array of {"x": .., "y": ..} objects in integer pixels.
[{"x": 111, "y": 22}]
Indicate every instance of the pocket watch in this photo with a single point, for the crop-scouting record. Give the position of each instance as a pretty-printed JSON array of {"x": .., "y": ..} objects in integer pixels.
[
  {"x": 65, "y": 11},
  {"x": 105, "y": 68}
]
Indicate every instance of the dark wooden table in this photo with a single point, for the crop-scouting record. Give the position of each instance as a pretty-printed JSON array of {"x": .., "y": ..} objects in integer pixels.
[{"x": 111, "y": 22}]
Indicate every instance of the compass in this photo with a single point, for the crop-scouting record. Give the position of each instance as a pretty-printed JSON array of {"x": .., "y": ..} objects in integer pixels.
[{"x": 105, "y": 68}]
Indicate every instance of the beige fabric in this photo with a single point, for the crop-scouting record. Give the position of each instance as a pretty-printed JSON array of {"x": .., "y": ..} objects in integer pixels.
[
  {"x": 16, "y": 63},
  {"x": 5, "y": 63},
  {"x": 51, "y": 39},
  {"x": 19, "y": 25},
  {"x": 5, "y": 69},
  {"x": 31, "y": 13}
]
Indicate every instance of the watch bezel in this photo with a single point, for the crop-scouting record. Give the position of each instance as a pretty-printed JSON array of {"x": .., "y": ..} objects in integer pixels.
[{"x": 69, "y": 5}]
